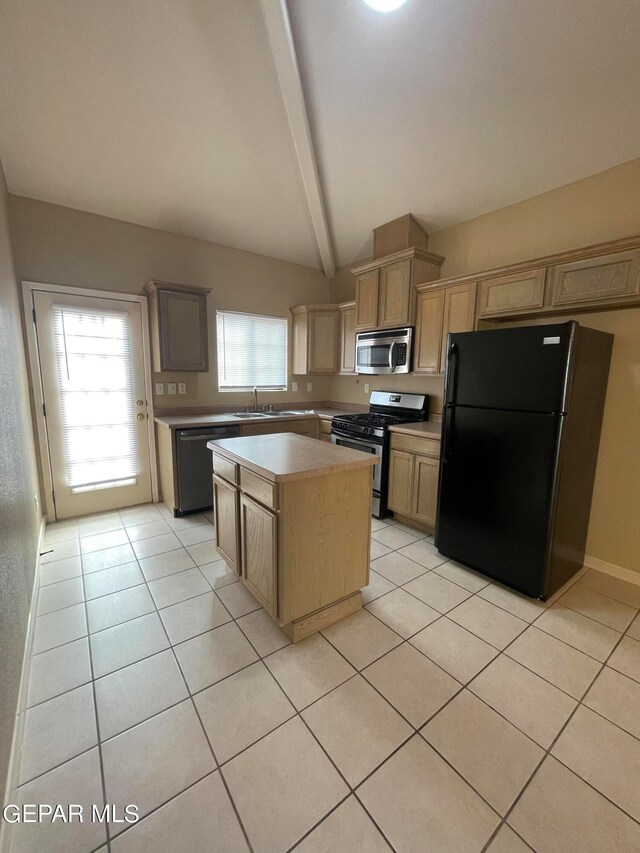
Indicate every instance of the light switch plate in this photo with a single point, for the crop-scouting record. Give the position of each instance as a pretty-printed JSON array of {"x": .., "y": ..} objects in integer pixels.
[
  {"x": 182, "y": 387},
  {"x": 171, "y": 387},
  {"x": 366, "y": 388},
  {"x": 159, "y": 388},
  {"x": 309, "y": 386},
  {"x": 294, "y": 386}
]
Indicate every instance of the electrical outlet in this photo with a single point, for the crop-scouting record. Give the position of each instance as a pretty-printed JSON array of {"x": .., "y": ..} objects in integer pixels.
[
  {"x": 309, "y": 386},
  {"x": 182, "y": 387},
  {"x": 37, "y": 503},
  {"x": 171, "y": 387},
  {"x": 366, "y": 388},
  {"x": 294, "y": 386},
  {"x": 159, "y": 388}
]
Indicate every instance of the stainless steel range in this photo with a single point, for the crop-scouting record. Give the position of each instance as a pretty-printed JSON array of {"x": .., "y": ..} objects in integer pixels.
[{"x": 369, "y": 433}]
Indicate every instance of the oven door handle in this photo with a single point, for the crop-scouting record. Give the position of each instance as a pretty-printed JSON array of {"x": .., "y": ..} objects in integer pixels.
[{"x": 357, "y": 439}]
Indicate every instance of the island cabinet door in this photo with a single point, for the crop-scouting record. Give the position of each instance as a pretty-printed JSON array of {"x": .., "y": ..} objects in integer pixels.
[
  {"x": 259, "y": 534},
  {"x": 226, "y": 500}
]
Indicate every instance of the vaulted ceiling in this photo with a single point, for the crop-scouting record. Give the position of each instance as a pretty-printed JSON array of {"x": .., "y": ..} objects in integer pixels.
[{"x": 171, "y": 113}]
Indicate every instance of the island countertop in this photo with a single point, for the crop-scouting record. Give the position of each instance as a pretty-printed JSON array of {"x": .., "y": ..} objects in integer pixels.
[{"x": 287, "y": 456}]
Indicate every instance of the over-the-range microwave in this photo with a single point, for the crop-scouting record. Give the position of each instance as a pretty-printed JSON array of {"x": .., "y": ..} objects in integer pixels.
[{"x": 384, "y": 351}]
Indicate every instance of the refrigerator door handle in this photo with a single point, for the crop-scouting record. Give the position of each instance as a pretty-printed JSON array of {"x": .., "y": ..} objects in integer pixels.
[
  {"x": 447, "y": 445},
  {"x": 452, "y": 370}
]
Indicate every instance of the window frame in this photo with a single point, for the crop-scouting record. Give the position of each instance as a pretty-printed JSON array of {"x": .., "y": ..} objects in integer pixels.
[{"x": 244, "y": 388}]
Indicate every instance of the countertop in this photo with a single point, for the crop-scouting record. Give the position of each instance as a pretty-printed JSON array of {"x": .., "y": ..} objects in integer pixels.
[
  {"x": 225, "y": 419},
  {"x": 286, "y": 456},
  {"x": 421, "y": 429}
]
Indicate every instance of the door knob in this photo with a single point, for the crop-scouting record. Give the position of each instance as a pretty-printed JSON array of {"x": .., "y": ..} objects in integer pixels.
[
  {"x": 140, "y": 402},
  {"x": 140, "y": 417}
]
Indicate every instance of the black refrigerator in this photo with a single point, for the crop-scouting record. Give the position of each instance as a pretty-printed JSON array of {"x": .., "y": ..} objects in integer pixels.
[{"x": 521, "y": 426}]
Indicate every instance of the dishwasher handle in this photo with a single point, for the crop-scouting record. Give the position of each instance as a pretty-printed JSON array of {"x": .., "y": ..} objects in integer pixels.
[{"x": 186, "y": 435}]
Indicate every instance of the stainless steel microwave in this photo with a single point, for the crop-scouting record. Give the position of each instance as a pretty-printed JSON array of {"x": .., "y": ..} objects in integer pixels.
[{"x": 384, "y": 351}]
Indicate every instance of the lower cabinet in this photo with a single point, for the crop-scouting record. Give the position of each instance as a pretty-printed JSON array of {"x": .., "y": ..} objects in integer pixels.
[
  {"x": 414, "y": 466},
  {"x": 226, "y": 504},
  {"x": 425, "y": 489},
  {"x": 400, "y": 498},
  {"x": 301, "y": 426},
  {"x": 259, "y": 533}
]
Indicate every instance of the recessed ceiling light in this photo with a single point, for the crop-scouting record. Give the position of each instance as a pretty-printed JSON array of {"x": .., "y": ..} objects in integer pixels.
[{"x": 385, "y": 5}]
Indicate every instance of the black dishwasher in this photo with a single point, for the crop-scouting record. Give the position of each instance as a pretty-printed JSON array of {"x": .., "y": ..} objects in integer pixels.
[{"x": 195, "y": 489}]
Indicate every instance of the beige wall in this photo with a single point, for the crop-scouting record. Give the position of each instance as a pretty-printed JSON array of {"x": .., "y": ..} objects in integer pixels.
[
  {"x": 19, "y": 519},
  {"x": 603, "y": 207},
  {"x": 58, "y": 245}
]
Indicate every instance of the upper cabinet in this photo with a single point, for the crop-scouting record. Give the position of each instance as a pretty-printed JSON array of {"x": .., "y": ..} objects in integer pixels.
[
  {"x": 385, "y": 296},
  {"x": 609, "y": 279},
  {"x": 441, "y": 309},
  {"x": 518, "y": 293},
  {"x": 316, "y": 339},
  {"x": 347, "y": 337},
  {"x": 589, "y": 279},
  {"x": 179, "y": 330}
]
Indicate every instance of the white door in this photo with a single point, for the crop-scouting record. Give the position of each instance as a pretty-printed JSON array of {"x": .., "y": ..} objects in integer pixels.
[{"x": 92, "y": 368}]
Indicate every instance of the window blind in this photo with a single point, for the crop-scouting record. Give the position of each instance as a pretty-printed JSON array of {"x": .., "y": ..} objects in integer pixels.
[
  {"x": 93, "y": 352},
  {"x": 252, "y": 351}
]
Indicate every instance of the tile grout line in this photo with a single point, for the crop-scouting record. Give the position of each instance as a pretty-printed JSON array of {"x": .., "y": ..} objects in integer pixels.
[
  {"x": 404, "y": 640},
  {"x": 202, "y": 727},
  {"x": 547, "y": 752},
  {"x": 95, "y": 711}
]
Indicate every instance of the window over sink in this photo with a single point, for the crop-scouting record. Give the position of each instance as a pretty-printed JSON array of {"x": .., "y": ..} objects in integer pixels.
[{"x": 252, "y": 351}]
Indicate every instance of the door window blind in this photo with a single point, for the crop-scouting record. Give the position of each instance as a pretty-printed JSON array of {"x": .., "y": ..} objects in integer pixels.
[
  {"x": 252, "y": 351},
  {"x": 93, "y": 352}
]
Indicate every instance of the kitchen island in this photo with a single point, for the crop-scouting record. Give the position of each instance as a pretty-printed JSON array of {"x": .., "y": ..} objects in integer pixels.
[{"x": 292, "y": 519}]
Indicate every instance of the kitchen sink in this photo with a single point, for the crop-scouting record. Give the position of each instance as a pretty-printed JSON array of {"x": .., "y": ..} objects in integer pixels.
[{"x": 268, "y": 414}]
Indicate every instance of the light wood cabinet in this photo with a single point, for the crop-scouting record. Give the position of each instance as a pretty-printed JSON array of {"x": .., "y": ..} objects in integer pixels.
[
  {"x": 179, "y": 327},
  {"x": 413, "y": 478},
  {"x": 385, "y": 294},
  {"x": 227, "y": 533},
  {"x": 425, "y": 489},
  {"x": 441, "y": 310},
  {"x": 259, "y": 533},
  {"x": 347, "y": 338},
  {"x": 303, "y": 544},
  {"x": 593, "y": 278},
  {"x": 325, "y": 429},
  {"x": 518, "y": 293},
  {"x": 306, "y": 426},
  {"x": 400, "y": 497},
  {"x": 395, "y": 302},
  {"x": 608, "y": 279},
  {"x": 367, "y": 290},
  {"x": 316, "y": 337},
  {"x": 428, "y": 341}
]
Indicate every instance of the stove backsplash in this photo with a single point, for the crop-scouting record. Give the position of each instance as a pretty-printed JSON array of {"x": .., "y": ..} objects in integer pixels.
[{"x": 350, "y": 389}]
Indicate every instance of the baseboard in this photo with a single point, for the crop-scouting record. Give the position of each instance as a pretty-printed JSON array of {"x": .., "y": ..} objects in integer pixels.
[
  {"x": 611, "y": 569},
  {"x": 14, "y": 757}
]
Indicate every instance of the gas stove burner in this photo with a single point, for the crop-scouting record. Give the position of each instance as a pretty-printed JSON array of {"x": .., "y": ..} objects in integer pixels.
[{"x": 369, "y": 419}]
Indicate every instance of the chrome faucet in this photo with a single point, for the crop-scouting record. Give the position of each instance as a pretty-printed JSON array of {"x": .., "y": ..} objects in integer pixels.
[{"x": 255, "y": 398}]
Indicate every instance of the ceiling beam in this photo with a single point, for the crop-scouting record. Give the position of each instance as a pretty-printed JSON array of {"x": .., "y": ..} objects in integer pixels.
[{"x": 276, "y": 17}]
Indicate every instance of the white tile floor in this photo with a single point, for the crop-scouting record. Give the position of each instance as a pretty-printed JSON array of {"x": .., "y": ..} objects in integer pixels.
[{"x": 450, "y": 714}]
